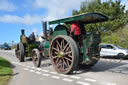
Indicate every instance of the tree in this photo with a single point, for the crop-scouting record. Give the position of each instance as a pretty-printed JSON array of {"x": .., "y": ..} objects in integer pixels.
[{"x": 118, "y": 18}]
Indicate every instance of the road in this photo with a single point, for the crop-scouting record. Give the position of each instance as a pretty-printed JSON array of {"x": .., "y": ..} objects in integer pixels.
[{"x": 102, "y": 73}]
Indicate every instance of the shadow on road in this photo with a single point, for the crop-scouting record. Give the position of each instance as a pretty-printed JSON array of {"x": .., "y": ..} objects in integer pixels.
[
  {"x": 12, "y": 66},
  {"x": 101, "y": 66},
  {"x": 45, "y": 65},
  {"x": 14, "y": 74},
  {"x": 44, "y": 62}
]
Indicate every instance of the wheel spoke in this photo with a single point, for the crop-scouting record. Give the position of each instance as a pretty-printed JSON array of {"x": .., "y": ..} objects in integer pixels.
[
  {"x": 58, "y": 63},
  {"x": 67, "y": 49},
  {"x": 57, "y": 60},
  {"x": 65, "y": 63},
  {"x": 70, "y": 56},
  {"x": 68, "y": 53},
  {"x": 68, "y": 59},
  {"x": 55, "y": 49},
  {"x": 56, "y": 53},
  {"x": 62, "y": 64},
  {"x": 55, "y": 56},
  {"x": 59, "y": 44},
  {"x": 65, "y": 46}
]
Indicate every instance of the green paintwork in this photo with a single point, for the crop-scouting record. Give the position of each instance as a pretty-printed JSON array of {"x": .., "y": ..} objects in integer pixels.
[
  {"x": 46, "y": 44},
  {"x": 29, "y": 49},
  {"x": 91, "y": 43},
  {"x": 46, "y": 48},
  {"x": 60, "y": 30},
  {"x": 85, "y": 18}
]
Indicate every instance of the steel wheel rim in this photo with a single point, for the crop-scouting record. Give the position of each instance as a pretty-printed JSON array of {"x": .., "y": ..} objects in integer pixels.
[
  {"x": 19, "y": 54},
  {"x": 35, "y": 59},
  {"x": 61, "y": 55}
]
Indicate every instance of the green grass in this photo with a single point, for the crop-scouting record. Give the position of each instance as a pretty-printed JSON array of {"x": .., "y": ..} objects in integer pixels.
[{"x": 5, "y": 71}]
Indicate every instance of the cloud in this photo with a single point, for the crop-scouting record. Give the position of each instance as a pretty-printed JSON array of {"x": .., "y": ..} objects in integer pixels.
[
  {"x": 7, "y": 6},
  {"x": 125, "y": 2},
  {"x": 27, "y": 19},
  {"x": 54, "y": 9},
  {"x": 57, "y": 8}
]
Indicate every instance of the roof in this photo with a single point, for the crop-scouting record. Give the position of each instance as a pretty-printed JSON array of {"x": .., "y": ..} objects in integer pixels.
[{"x": 92, "y": 17}]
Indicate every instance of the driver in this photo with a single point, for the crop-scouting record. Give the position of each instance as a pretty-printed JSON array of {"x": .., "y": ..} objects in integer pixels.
[
  {"x": 75, "y": 30},
  {"x": 23, "y": 38}
]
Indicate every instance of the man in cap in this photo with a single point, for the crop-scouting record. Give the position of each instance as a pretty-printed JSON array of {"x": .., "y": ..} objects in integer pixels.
[{"x": 23, "y": 38}]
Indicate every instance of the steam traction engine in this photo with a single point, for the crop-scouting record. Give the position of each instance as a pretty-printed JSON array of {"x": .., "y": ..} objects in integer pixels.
[{"x": 65, "y": 53}]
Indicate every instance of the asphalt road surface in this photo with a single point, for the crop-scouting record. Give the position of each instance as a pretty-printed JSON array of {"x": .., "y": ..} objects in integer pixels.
[{"x": 113, "y": 73}]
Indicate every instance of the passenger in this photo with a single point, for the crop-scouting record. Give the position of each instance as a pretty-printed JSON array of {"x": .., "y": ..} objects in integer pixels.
[{"x": 32, "y": 38}]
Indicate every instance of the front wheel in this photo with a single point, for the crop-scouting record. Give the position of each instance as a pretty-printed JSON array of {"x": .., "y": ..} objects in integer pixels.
[
  {"x": 120, "y": 55},
  {"x": 36, "y": 57},
  {"x": 64, "y": 54}
]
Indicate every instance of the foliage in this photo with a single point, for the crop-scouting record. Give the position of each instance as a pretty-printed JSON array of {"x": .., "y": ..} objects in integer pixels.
[
  {"x": 5, "y": 71},
  {"x": 118, "y": 18}
]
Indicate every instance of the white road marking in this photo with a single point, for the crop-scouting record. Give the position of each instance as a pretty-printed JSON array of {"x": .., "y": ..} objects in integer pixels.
[
  {"x": 32, "y": 67},
  {"x": 28, "y": 66},
  {"x": 63, "y": 75},
  {"x": 26, "y": 69},
  {"x": 14, "y": 62},
  {"x": 45, "y": 74},
  {"x": 69, "y": 80},
  {"x": 53, "y": 72},
  {"x": 39, "y": 69},
  {"x": 75, "y": 77},
  {"x": 38, "y": 72},
  {"x": 92, "y": 80},
  {"x": 108, "y": 83},
  {"x": 82, "y": 83},
  {"x": 45, "y": 70},
  {"x": 31, "y": 70},
  {"x": 56, "y": 77}
]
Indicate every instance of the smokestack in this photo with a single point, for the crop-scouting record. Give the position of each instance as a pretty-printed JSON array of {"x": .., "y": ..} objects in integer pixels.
[{"x": 44, "y": 23}]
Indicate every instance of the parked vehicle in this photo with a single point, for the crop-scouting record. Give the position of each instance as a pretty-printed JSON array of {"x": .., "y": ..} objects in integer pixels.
[
  {"x": 5, "y": 46},
  {"x": 110, "y": 50}
]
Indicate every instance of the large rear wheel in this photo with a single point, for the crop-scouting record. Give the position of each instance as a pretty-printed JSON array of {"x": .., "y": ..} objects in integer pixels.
[
  {"x": 20, "y": 53},
  {"x": 64, "y": 54}
]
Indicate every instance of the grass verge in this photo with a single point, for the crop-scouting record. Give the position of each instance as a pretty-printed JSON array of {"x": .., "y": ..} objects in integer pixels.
[{"x": 5, "y": 71}]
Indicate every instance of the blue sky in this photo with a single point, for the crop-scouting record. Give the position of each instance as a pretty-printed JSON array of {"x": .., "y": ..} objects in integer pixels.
[{"x": 28, "y": 14}]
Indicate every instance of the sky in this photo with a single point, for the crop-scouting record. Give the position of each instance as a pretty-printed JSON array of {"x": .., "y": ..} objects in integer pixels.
[{"x": 28, "y": 14}]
